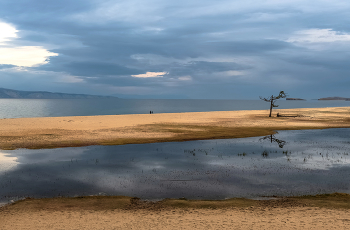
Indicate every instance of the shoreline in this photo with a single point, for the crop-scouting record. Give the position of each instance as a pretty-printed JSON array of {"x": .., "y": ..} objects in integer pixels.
[
  {"x": 329, "y": 200},
  {"x": 56, "y": 132},
  {"x": 101, "y": 212}
]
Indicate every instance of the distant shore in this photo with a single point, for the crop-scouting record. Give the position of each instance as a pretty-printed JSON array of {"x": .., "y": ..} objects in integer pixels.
[{"x": 55, "y": 132}]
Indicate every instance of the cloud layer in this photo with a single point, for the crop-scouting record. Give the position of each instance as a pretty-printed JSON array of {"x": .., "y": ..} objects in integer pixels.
[{"x": 208, "y": 49}]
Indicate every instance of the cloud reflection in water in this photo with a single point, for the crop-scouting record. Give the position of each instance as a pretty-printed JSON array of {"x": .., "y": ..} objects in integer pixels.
[{"x": 310, "y": 162}]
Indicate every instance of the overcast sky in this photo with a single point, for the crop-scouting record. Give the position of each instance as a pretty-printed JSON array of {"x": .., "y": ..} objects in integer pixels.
[{"x": 210, "y": 49}]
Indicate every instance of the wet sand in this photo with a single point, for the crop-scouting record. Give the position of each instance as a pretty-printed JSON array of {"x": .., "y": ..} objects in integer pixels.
[{"x": 53, "y": 132}]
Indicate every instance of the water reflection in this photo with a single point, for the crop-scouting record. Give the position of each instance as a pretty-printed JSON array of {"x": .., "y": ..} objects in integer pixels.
[
  {"x": 272, "y": 138},
  {"x": 313, "y": 161},
  {"x": 7, "y": 162}
]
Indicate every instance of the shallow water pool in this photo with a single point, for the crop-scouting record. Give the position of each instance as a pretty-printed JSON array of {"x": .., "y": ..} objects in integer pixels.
[{"x": 288, "y": 163}]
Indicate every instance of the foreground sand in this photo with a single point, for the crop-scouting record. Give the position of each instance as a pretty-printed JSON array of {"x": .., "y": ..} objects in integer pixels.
[
  {"x": 278, "y": 218},
  {"x": 123, "y": 213},
  {"x": 52, "y": 132}
]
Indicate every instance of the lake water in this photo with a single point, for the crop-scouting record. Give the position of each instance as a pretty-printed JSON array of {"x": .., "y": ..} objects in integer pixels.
[
  {"x": 14, "y": 108},
  {"x": 288, "y": 163}
]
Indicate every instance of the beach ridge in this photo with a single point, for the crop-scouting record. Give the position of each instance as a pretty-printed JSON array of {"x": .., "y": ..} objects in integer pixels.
[{"x": 55, "y": 132}]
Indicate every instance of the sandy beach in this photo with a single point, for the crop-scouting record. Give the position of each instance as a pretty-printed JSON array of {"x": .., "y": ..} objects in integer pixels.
[
  {"x": 316, "y": 212},
  {"x": 53, "y": 132},
  {"x": 325, "y": 212}
]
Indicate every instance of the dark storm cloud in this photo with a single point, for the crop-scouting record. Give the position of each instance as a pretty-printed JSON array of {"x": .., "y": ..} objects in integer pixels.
[
  {"x": 40, "y": 14},
  {"x": 210, "y": 67},
  {"x": 105, "y": 42},
  {"x": 321, "y": 60},
  {"x": 94, "y": 69},
  {"x": 6, "y": 66},
  {"x": 196, "y": 69},
  {"x": 246, "y": 47}
]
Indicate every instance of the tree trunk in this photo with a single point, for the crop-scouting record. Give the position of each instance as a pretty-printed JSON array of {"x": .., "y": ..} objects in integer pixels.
[{"x": 271, "y": 108}]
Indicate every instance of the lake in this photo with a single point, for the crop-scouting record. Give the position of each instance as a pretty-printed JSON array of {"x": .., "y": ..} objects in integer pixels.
[
  {"x": 288, "y": 163},
  {"x": 14, "y": 108}
]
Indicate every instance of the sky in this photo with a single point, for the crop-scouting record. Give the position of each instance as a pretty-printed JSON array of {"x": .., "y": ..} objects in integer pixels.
[{"x": 183, "y": 49}]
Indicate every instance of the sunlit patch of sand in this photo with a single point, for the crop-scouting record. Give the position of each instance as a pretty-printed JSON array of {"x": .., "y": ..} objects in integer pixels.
[{"x": 53, "y": 132}]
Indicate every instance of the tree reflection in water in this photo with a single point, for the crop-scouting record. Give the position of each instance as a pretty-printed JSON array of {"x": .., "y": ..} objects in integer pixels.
[{"x": 272, "y": 138}]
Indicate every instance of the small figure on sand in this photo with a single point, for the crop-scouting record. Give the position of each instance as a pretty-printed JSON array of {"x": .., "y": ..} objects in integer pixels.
[{"x": 150, "y": 112}]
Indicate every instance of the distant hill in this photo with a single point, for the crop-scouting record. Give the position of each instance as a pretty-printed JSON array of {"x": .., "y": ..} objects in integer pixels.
[
  {"x": 10, "y": 93},
  {"x": 294, "y": 99},
  {"x": 335, "y": 98}
]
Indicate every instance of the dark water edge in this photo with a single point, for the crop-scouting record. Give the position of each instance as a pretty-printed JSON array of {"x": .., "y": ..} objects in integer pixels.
[
  {"x": 290, "y": 163},
  {"x": 14, "y": 108}
]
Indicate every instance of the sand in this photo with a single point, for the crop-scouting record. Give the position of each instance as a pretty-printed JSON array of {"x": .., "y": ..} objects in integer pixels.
[
  {"x": 52, "y": 132},
  {"x": 279, "y": 218},
  {"x": 83, "y": 213}
]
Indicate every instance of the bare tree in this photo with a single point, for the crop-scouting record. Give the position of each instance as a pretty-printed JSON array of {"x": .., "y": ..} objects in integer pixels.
[{"x": 272, "y": 100}]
